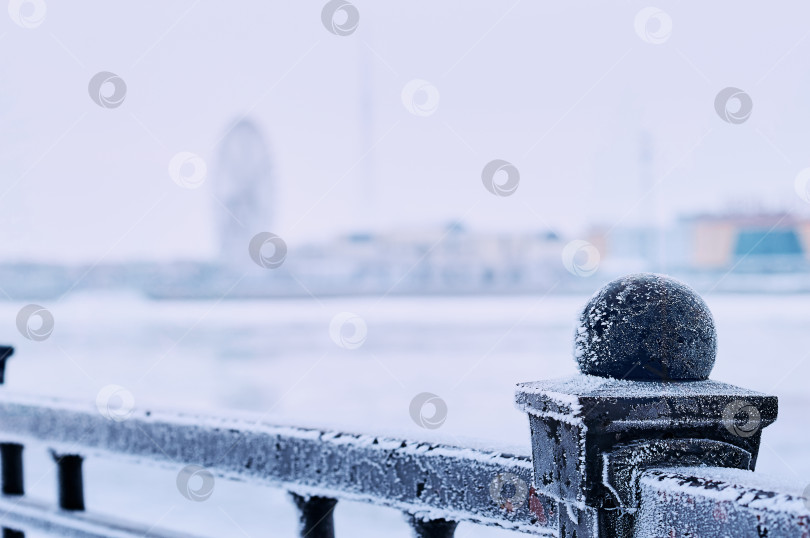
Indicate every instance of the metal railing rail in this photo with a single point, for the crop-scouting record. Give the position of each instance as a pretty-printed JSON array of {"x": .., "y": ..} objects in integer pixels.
[
  {"x": 439, "y": 485},
  {"x": 20, "y": 514},
  {"x": 639, "y": 444},
  {"x": 711, "y": 501}
]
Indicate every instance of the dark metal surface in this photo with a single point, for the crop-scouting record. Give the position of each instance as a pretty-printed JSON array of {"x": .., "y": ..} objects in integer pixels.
[
  {"x": 718, "y": 502},
  {"x": 576, "y": 421},
  {"x": 71, "y": 483},
  {"x": 415, "y": 477},
  {"x": 622, "y": 465},
  {"x": 651, "y": 341},
  {"x": 5, "y": 353},
  {"x": 646, "y": 327},
  {"x": 431, "y": 528},
  {"x": 315, "y": 516},
  {"x": 12, "y": 463}
]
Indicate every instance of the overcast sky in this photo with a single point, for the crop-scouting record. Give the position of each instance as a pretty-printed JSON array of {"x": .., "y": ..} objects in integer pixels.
[{"x": 565, "y": 92}]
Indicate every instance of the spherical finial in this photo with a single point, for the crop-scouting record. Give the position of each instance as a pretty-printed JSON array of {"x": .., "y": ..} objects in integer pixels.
[{"x": 646, "y": 327}]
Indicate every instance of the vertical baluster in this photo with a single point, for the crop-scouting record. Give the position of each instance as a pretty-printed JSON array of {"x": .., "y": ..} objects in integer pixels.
[
  {"x": 315, "y": 515},
  {"x": 431, "y": 528},
  {"x": 5, "y": 353},
  {"x": 71, "y": 485},
  {"x": 12, "y": 479},
  {"x": 10, "y": 456},
  {"x": 12, "y": 463}
]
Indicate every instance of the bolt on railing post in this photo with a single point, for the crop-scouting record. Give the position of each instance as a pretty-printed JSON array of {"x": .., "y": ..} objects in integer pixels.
[
  {"x": 12, "y": 463},
  {"x": 315, "y": 516},
  {"x": 645, "y": 347},
  {"x": 71, "y": 484},
  {"x": 431, "y": 528}
]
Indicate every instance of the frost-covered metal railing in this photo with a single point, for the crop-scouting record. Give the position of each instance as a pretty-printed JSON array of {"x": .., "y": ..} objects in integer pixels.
[
  {"x": 640, "y": 443},
  {"x": 436, "y": 485}
]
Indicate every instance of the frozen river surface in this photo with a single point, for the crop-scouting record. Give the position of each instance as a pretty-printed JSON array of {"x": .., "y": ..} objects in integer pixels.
[{"x": 277, "y": 359}]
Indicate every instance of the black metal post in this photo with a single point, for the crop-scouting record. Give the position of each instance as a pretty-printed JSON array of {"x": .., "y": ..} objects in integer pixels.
[
  {"x": 315, "y": 516},
  {"x": 11, "y": 533},
  {"x": 645, "y": 347},
  {"x": 12, "y": 463},
  {"x": 431, "y": 528},
  {"x": 71, "y": 484}
]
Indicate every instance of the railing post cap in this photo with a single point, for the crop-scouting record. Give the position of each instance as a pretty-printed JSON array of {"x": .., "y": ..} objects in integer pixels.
[{"x": 646, "y": 327}]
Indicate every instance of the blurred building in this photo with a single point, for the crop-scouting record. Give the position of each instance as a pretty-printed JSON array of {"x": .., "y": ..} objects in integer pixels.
[
  {"x": 728, "y": 252},
  {"x": 448, "y": 259},
  {"x": 743, "y": 242},
  {"x": 244, "y": 188},
  {"x": 762, "y": 242}
]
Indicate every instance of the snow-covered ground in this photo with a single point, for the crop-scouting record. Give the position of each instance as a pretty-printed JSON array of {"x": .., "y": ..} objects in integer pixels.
[{"x": 276, "y": 358}]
